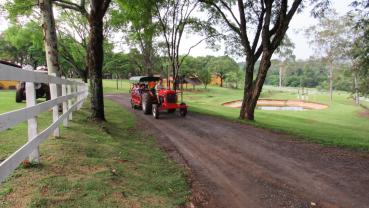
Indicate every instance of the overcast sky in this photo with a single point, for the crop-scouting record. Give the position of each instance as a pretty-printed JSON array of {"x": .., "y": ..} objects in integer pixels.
[{"x": 298, "y": 23}]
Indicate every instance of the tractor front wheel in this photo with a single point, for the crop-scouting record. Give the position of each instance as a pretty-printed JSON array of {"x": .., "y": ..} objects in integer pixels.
[
  {"x": 183, "y": 112},
  {"x": 155, "y": 111}
]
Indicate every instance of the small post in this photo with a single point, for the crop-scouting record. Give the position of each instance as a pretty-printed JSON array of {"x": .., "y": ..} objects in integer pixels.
[
  {"x": 79, "y": 96},
  {"x": 65, "y": 104},
  {"x": 75, "y": 87},
  {"x": 54, "y": 95},
  {"x": 32, "y": 122},
  {"x": 69, "y": 91}
]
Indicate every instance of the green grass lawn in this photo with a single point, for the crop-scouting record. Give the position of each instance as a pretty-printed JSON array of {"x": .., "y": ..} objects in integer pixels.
[
  {"x": 343, "y": 124},
  {"x": 110, "y": 86},
  {"x": 91, "y": 165}
]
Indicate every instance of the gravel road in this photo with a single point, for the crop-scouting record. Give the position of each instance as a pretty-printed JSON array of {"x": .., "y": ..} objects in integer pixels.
[{"x": 245, "y": 166}]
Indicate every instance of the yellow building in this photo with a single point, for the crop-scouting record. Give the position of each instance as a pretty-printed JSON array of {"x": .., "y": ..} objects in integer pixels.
[
  {"x": 8, "y": 85},
  {"x": 189, "y": 82},
  {"x": 215, "y": 80}
]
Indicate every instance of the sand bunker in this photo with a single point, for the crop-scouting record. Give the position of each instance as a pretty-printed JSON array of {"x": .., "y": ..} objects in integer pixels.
[{"x": 280, "y": 103}]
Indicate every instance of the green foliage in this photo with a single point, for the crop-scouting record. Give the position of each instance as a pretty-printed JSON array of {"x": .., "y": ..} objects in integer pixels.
[
  {"x": 192, "y": 65},
  {"x": 119, "y": 64},
  {"x": 222, "y": 66},
  {"x": 234, "y": 78},
  {"x": 360, "y": 48},
  {"x": 72, "y": 55},
  {"x": 204, "y": 67},
  {"x": 310, "y": 73},
  {"x": 331, "y": 37},
  {"x": 19, "y": 8},
  {"x": 205, "y": 76},
  {"x": 285, "y": 50},
  {"x": 23, "y": 44},
  {"x": 135, "y": 18},
  {"x": 362, "y": 57}
]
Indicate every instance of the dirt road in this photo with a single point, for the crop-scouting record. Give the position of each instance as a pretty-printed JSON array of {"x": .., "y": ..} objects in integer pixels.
[{"x": 244, "y": 166}]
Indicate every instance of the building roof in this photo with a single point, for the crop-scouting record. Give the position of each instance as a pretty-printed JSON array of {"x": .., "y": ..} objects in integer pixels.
[
  {"x": 193, "y": 80},
  {"x": 138, "y": 79}
]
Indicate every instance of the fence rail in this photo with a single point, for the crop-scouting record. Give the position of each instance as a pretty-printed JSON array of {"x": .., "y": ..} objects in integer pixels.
[{"x": 73, "y": 95}]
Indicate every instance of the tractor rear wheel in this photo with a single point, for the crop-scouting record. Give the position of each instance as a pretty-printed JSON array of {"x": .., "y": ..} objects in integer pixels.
[
  {"x": 155, "y": 111},
  {"x": 183, "y": 111},
  {"x": 146, "y": 104}
]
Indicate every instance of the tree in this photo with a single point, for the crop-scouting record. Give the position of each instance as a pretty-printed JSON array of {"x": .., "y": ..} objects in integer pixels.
[
  {"x": 330, "y": 37},
  {"x": 73, "y": 38},
  {"x": 23, "y": 44},
  {"x": 118, "y": 64},
  {"x": 95, "y": 56},
  {"x": 174, "y": 19},
  {"x": 222, "y": 66},
  {"x": 18, "y": 8},
  {"x": 72, "y": 56},
  {"x": 95, "y": 51},
  {"x": 360, "y": 53},
  {"x": 360, "y": 49},
  {"x": 136, "y": 18},
  {"x": 205, "y": 76},
  {"x": 268, "y": 21},
  {"x": 233, "y": 78},
  {"x": 285, "y": 53},
  {"x": 50, "y": 39}
]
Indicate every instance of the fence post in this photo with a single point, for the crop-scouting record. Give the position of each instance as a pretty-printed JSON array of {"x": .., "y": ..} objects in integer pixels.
[
  {"x": 32, "y": 122},
  {"x": 54, "y": 95},
  {"x": 65, "y": 104},
  {"x": 69, "y": 91},
  {"x": 79, "y": 96}
]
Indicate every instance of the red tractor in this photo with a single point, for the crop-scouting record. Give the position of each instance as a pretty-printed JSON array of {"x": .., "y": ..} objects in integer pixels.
[{"x": 146, "y": 96}]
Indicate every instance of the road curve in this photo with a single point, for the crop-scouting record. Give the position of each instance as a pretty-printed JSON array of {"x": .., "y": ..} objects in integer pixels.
[{"x": 244, "y": 166}]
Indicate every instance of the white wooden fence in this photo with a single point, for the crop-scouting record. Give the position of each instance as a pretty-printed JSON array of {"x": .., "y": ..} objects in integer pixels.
[{"x": 74, "y": 94}]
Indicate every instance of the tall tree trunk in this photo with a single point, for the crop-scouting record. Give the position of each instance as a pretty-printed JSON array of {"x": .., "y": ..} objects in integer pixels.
[
  {"x": 252, "y": 88},
  {"x": 357, "y": 96},
  {"x": 50, "y": 39},
  {"x": 148, "y": 47},
  {"x": 280, "y": 75},
  {"x": 148, "y": 63},
  {"x": 117, "y": 79},
  {"x": 247, "y": 91},
  {"x": 95, "y": 62}
]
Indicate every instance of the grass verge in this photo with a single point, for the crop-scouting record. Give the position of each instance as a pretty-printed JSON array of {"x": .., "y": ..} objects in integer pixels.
[{"x": 109, "y": 165}]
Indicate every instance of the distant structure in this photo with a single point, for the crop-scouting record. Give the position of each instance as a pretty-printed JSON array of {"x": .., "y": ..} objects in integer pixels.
[
  {"x": 215, "y": 80},
  {"x": 303, "y": 94}
]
